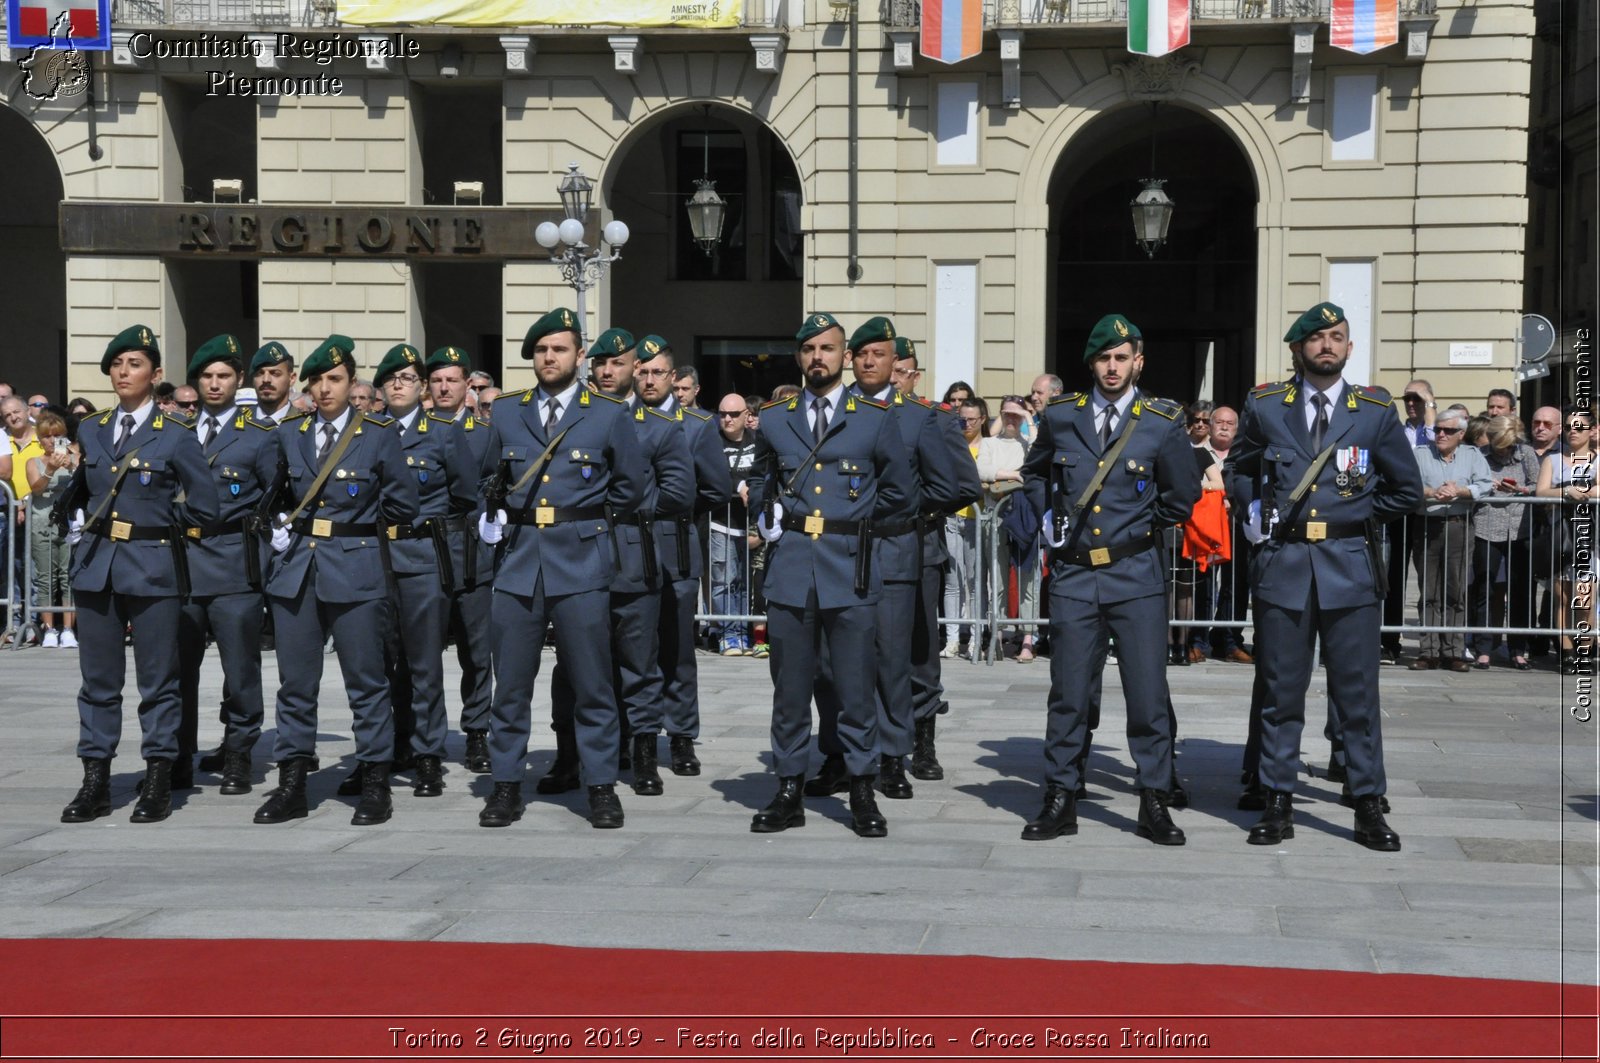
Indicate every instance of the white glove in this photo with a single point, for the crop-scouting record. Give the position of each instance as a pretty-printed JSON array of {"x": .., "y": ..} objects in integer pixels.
[
  {"x": 1049, "y": 528},
  {"x": 75, "y": 528},
  {"x": 1252, "y": 527},
  {"x": 492, "y": 531},
  {"x": 774, "y": 531},
  {"x": 280, "y": 533}
]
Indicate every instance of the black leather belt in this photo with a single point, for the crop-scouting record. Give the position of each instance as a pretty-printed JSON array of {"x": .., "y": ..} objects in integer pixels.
[
  {"x": 211, "y": 531},
  {"x": 121, "y": 531},
  {"x": 1315, "y": 531},
  {"x": 318, "y": 528},
  {"x": 424, "y": 529},
  {"x": 820, "y": 525},
  {"x": 544, "y": 516},
  {"x": 1101, "y": 556},
  {"x": 890, "y": 530}
]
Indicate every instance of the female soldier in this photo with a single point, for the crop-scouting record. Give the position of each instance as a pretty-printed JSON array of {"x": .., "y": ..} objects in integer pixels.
[
  {"x": 346, "y": 475},
  {"x": 128, "y": 569}
]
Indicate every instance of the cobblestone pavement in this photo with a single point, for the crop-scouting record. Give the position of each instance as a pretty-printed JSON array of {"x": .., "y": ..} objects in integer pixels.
[{"x": 1492, "y": 780}]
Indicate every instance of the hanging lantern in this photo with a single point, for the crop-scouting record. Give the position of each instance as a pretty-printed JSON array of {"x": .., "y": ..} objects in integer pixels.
[
  {"x": 707, "y": 210},
  {"x": 576, "y": 190},
  {"x": 1152, "y": 214}
]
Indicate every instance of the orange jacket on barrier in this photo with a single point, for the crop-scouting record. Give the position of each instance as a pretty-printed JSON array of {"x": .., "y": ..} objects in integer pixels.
[{"x": 1207, "y": 534}]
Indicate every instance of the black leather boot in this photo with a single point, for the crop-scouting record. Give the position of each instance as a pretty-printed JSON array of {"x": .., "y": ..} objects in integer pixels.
[
  {"x": 1155, "y": 822},
  {"x": 605, "y": 809},
  {"x": 477, "y": 758},
  {"x": 1348, "y": 799},
  {"x": 563, "y": 773},
  {"x": 504, "y": 806},
  {"x": 350, "y": 785},
  {"x": 430, "y": 777},
  {"x": 288, "y": 801},
  {"x": 1371, "y": 828},
  {"x": 924, "y": 757},
  {"x": 646, "y": 776},
  {"x": 235, "y": 772},
  {"x": 786, "y": 810},
  {"x": 155, "y": 798},
  {"x": 684, "y": 762},
  {"x": 94, "y": 796},
  {"x": 376, "y": 805},
  {"x": 1277, "y": 820},
  {"x": 832, "y": 778},
  {"x": 892, "y": 782},
  {"x": 1058, "y": 816},
  {"x": 865, "y": 819}
]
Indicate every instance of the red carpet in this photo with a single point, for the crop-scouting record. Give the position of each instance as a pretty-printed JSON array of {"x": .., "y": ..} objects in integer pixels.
[{"x": 120, "y": 999}]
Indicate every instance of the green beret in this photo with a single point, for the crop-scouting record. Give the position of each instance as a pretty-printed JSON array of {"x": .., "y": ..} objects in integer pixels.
[
  {"x": 558, "y": 320},
  {"x": 651, "y": 346},
  {"x": 400, "y": 356},
  {"x": 816, "y": 324},
  {"x": 445, "y": 357},
  {"x": 132, "y": 338},
  {"x": 273, "y": 353},
  {"x": 875, "y": 330},
  {"x": 1319, "y": 317},
  {"x": 904, "y": 348},
  {"x": 330, "y": 353},
  {"x": 612, "y": 342},
  {"x": 223, "y": 348},
  {"x": 1113, "y": 330}
]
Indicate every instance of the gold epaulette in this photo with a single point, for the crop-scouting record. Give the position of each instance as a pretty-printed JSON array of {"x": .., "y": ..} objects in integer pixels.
[{"x": 1375, "y": 395}]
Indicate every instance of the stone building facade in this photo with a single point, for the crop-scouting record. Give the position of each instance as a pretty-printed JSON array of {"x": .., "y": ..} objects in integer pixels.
[{"x": 984, "y": 204}]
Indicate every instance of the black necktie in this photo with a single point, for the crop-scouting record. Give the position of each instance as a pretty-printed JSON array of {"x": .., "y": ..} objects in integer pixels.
[
  {"x": 211, "y": 434},
  {"x": 819, "y": 426},
  {"x": 127, "y": 430},
  {"x": 1320, "y": 427},
  {"x": 327, "y": 442},
  {"x": 1105, "y": 427},
  {"x": 552, "y": 414}
]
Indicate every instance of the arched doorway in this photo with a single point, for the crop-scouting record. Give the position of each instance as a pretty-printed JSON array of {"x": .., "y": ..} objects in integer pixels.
[
  {"x": 1195, "y": 298},
  {"x": 33, "y": 273},
  {"x": 730, "y": 312}
]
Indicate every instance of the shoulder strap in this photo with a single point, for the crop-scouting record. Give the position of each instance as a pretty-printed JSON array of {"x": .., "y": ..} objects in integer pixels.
[
  {"x": 538, "y": 466},
  {"x": 1106, "y": 465},
  {"x": 1311, "y": 474},
  {"x": 116, "y": 485},
  {"x": 327, "y": 468}
]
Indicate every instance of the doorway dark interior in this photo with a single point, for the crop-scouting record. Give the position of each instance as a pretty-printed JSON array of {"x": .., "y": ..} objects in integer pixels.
[{"x": 1194, "y": 299}]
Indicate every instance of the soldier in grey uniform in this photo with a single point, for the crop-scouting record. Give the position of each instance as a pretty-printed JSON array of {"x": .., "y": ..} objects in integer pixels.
[
  {"x": 425, "y": 554},
  {"x": 447, "y": 370},
  {"x": 1319, "y": 464},
  {"x": 944, "y": 478},
  {"x": 569, "y": 464},
  {"x": 272, "y": 375},
  {"x": 126, "y": 529},
  {"x": 1111, "y": 469},
  {"x": 227, "y": 565},
  {"x": 680, "y": 552},
  {"x": 346, "y": 481},
  {"x": 829, "y": 465},
  {"x": 636, "y": 589}
]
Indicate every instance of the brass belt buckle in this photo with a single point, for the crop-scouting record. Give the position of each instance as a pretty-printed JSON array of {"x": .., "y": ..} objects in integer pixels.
[
  {"x": 121, "y": 531},
  {"x": 193, "y": 533},
  {"x": 814, "y": 525},
  {"x": 321, "y": 528},
  {"x": 1316, "y": 531},
  {"x": 544, "y": 516},
  {"x": 394, "y": 532},
  {"x": 1099, "y": 556}
]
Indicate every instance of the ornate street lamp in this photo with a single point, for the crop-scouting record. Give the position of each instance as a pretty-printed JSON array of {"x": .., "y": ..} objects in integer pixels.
[
  {"x": 1152, "y": 209},
  {"x": 582, "y": 266},
  {"x": 707, "y": 212},
  {"x": 1152, "y": 214}
]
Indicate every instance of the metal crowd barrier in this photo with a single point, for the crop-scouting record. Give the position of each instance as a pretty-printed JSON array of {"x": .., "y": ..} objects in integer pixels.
[{"x": 8, "y": 541}]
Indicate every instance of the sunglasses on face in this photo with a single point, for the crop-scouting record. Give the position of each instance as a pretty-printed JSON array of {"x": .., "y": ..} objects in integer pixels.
[
  {"x": 1199, "y": 420},
  {"x": 1441, "y": 430},
  {"x": 1578, "y": 426},
  {"x": 38, "y": 405},
  {"x": 732, "y": 413}
]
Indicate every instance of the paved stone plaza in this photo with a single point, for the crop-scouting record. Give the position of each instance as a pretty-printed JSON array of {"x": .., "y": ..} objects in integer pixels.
[{"x": 1493, "y": 785}]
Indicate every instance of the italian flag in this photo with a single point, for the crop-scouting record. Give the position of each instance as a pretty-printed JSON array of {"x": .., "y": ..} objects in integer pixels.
[{"x": 1156, "y": 27}]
